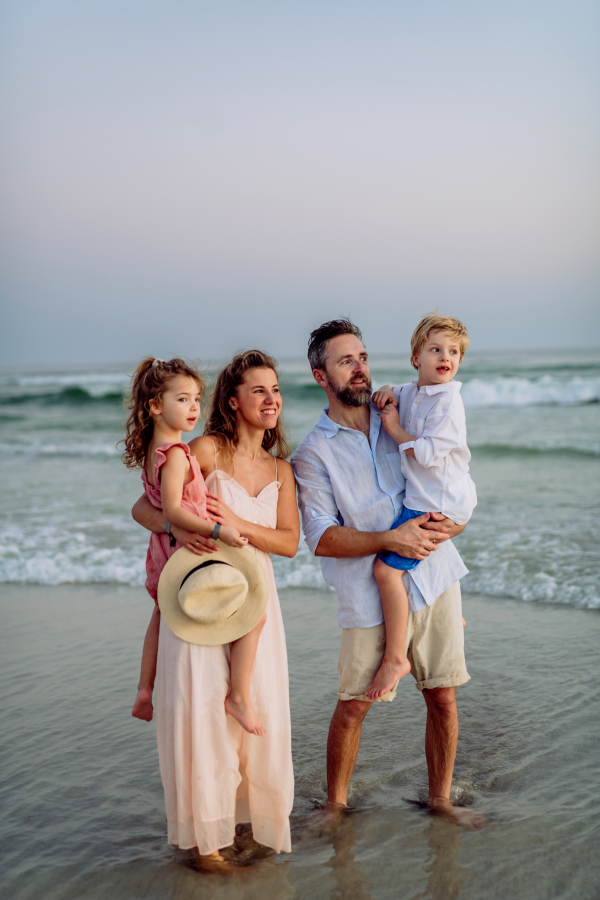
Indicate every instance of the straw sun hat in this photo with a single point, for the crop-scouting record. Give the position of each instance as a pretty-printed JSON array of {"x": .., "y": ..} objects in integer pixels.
[{"x": 214, "y": 599}]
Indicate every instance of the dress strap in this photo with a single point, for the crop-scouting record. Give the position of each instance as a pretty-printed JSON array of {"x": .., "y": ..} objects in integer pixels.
[
  {"x": 276, "y": 478},
  {"x": 215, "y": 449}
]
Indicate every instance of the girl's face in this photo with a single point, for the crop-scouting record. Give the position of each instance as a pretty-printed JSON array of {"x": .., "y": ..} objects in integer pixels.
[
  {"x": 179, "y": 405},
  {"x": 257, "y": 399}
]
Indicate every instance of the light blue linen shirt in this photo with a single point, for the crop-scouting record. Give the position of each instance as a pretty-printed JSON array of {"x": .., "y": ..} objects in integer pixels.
[{"x": 344, "y": 480}]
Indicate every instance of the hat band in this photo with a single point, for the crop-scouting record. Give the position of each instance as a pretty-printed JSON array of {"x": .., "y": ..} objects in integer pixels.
[{"x": 210, "y": 562}]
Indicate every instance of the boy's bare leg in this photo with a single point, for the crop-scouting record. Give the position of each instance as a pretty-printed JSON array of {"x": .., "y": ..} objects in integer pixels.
[
  {"x": 142, "y": 708},
  {"x": 237, "y": 702},
  {"x": 394, "y": 600},
  {"x": 343, "y": 744}
]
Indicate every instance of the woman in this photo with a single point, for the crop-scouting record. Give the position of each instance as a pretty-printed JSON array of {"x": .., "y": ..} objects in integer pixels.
[{"x": 215, "y": 773}]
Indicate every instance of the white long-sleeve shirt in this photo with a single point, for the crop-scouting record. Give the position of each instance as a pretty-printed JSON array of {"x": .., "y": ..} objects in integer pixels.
[
  {"x": 437, "y": 479},
  {"x": 345, "y": 479}
]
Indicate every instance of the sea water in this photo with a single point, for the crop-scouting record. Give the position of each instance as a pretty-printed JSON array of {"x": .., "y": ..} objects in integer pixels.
[
  {"x": 82, "y": 807},
  {"x": 533, "y": 427}
]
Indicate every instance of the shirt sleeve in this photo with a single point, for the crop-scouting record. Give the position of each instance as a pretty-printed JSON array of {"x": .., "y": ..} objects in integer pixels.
[
  {"x": 316, "y": 500},
  {"x": 444, "y": 430}
]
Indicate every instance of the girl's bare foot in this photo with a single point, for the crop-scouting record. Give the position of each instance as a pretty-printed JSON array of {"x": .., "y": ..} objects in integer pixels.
[
  {"x": 242, "y": 710},
  {"x": 142, "y": 708},
  {"x": 389, "y": 674}
]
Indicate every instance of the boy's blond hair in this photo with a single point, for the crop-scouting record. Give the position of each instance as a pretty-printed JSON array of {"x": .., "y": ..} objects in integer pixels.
[{"x": 434, "y": 322}]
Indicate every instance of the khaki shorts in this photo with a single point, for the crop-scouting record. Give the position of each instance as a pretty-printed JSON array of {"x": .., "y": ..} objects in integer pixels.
[{"x": 434, "y": 646}]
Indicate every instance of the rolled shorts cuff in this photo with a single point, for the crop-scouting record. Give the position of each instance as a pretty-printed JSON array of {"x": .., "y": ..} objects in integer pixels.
[{"x": 448, "y": 681}]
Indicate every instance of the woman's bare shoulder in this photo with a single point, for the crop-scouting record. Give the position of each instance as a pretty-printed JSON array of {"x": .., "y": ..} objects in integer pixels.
[
  {"x": 203, "y": 448},
  {"x": 284, "y": 470}
]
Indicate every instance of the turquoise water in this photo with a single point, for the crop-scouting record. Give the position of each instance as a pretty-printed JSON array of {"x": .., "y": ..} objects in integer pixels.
[{"x": 534, "y": 432}]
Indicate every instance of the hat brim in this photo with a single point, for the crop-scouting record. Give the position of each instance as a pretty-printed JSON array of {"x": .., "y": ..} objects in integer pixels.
[{"x": 240, "y": 623}]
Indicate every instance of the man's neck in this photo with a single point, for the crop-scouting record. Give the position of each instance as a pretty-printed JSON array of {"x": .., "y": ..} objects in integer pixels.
[{"x": 356, "y": 417}]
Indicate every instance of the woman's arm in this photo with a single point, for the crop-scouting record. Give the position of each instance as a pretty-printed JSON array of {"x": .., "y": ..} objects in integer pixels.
[
  {"x": 153, "y": 519},
  {"x": 283, "y": 540}
]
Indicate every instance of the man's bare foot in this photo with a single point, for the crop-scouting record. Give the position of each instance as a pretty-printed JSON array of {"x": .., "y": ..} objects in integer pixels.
[
  {"x": 142, "y": 708},
  {"x": 243, "y": 711},
  {"x": 466, "y": 818},
  {"x": 387, "y": 677}
]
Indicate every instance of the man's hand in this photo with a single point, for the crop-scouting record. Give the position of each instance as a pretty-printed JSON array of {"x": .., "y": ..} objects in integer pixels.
[
  {"x": 439, "y": 522},
  {"x": 197, "y": 543},
  {"x": 412, "y": 541}
]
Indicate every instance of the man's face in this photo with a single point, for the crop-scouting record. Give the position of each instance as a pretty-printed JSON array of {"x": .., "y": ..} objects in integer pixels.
[{"x": 347, "y": 375}]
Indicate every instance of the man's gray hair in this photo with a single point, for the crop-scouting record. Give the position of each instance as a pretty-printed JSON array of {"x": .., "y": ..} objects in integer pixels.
[{"x": 317, "y": 343}]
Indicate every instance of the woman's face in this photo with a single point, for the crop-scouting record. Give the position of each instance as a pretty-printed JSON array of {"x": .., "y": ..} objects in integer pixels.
[{"x": 257, "y": 399}]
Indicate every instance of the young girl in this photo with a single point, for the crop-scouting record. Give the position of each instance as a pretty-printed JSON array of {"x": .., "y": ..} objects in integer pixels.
[{"x": 165, "y": 400}]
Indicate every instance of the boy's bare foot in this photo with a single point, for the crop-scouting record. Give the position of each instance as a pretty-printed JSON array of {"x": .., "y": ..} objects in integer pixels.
[
  {"x": 389, "y": 674},
  {"x": 142, "y": 708},
  {"x": 243, "y": 711},
  {"x": 466, "y": 818}
]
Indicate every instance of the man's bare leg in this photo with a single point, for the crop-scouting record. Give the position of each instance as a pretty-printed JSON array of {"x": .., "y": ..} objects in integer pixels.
[
  {"x": 343, "y": 745},
  {"x": 441, "y": 740}
]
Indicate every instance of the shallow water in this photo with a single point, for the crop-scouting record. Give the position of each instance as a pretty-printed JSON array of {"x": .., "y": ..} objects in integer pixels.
[{"x": 82, "y": 803}]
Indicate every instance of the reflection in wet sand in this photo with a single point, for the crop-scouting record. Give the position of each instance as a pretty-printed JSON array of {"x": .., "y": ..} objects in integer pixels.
[
  {"x": 444, "y": 877},
  {"x": 346, "y": 871}
]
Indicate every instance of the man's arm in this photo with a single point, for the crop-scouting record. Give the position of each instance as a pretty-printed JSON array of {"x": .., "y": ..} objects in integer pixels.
[
  {"x": 153, "y": 519},
  {"x": 408, "y": 540},
  {"x": 326, "y": 537}
]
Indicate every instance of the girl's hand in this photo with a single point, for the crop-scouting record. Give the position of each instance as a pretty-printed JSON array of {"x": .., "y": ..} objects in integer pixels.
[
  {"x": 382, "y": 398},
  {"x": 232, "y": 537},
  {"x": 220, "y": 512}
]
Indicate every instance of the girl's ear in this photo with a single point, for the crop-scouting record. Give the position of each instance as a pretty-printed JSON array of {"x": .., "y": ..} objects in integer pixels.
[{"x": 155, "y": 407}]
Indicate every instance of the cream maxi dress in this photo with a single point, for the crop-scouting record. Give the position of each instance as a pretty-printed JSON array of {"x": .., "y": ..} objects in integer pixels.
[{"x": 213, "y": 772}]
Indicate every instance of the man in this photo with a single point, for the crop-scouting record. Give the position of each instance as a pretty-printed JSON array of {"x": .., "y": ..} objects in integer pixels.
[{"x": 351, "y": 487}]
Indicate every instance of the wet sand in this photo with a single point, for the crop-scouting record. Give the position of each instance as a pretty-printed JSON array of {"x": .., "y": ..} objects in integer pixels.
[{"x": 82, "y": 802}]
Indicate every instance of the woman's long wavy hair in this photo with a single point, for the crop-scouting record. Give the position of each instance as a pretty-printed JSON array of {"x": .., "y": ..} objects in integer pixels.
[
  {"x": 222, "y": 422},
  {"x": 149, "y": 382}
]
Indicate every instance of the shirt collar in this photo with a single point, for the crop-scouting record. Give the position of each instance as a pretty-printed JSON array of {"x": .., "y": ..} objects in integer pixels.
[
  {"x": 440, "y": 388},
  {"x": 331, "y": 428}
]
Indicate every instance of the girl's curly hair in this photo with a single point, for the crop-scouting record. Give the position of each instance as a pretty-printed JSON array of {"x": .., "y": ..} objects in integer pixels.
[
  {"x": 149, "y": 382},
  {"x": 222, "y": 423}
]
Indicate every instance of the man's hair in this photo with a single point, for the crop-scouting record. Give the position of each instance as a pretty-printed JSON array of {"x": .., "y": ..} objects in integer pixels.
[
  {"x": 434, "y": 322},
  {"x": 317, "y": 343}
]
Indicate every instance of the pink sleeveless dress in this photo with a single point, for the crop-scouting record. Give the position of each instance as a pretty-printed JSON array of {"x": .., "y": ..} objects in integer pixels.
[
  {"x": 193, "y": 499},
  {"x": 213, "y": 772}
]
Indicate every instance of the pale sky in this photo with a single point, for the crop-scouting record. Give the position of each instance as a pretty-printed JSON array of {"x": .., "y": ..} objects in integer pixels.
[{"x": 195, "y": 177}]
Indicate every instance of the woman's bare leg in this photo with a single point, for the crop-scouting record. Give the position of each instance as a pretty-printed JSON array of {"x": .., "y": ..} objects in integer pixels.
[
  {"x": 394, "y": 600},
  {"x": 237, "y": 702},
  {"x": 142, "y": 708}
]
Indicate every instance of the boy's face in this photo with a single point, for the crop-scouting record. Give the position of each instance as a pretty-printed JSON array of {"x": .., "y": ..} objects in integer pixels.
[{"x": 439, "y": 359}]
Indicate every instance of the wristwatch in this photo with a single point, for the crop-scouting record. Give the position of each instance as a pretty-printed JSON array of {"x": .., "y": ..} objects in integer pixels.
[
  {"x": 172, "y": 538},
  {"x": 216, "y": 531}
]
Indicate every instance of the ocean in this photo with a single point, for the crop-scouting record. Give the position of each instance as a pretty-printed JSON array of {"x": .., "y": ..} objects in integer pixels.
[
  {"x": 80, "y": 792},
  {"x": 534, "y": 432}
]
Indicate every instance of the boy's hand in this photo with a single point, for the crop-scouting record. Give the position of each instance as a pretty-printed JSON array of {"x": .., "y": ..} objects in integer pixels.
[
  {"x": 439, "y": 522},
  {"x": 391, "y": 422},
  {"x": 383, "y": 397},
  {"x": 232, "y": 537}
]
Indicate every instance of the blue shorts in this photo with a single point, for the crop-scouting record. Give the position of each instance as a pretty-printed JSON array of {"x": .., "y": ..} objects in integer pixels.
[{"x": 392, "y": 559}]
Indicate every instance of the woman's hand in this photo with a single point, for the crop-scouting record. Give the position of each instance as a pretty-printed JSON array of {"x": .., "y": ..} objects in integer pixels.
[
  {"x": 197, "y": 543},
  {"x": 220, "y": 512}
]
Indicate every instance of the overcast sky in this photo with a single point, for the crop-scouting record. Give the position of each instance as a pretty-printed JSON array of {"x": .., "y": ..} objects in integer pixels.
[{"x": 194, "y": 177}]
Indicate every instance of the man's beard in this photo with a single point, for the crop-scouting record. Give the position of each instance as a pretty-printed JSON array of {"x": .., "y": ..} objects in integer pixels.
[{"x": 350, "y": 397}]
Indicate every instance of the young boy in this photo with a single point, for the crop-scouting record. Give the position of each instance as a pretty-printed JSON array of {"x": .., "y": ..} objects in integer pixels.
[{"x": 427, "y": 419}]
